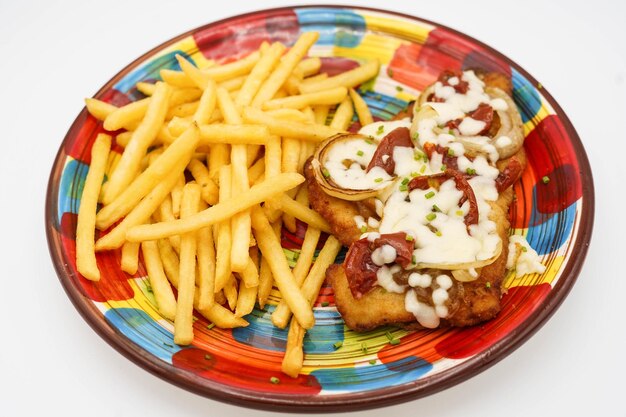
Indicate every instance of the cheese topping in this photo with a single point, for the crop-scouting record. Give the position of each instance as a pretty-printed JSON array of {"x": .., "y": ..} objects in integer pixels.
[
  {"x": 449, "y": 228},
  {"x": 523, "y": 258}
]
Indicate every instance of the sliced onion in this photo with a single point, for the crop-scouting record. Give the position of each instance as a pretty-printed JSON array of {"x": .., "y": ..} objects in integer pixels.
[
  {"x": 511, "y": 125},
  {"x": 464, "y": 275},
  {"x": 327, "y": 184}
]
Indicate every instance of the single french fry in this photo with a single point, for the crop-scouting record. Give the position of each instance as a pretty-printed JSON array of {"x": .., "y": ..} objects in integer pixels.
[
  {"x": 362, "y": 111},
  {"x": 218, "y": 157},
  {"x": 222, "y": 73},
  {"x": 289, "y": 114},
  {"x": 259, "y": 74},
  {"x": 246, "y": 299},
  {"x": 201, "y": 174},
  {"x": 321, "y": 114},
  {"x": 325, "y": 97},
  {"x": 145, "y": 88},
  {"x": 195, "y": 75},
  {"x": 343, "y": 115},
  {"x": 85, "y": 226},
  {"x": 256, "y": 170},
  {"x": 164, "y": 214},
  {"x": 287, "y": 128},
  {"x": 223, "y": 133},
  {"x": 307, "y": 252},
  {"x": 312, "y": 283},
  {"x": 294, "y": 353},
  {"x": 302, "y": 212},
  {"x": 346, "y": 79},
  {"x": 266, "y": 281},
  {"x": 217, "y": 314},
  {"x": 150, "y": 178},
  {"x": 250, "y": 274},
  {"x": 233, "y": 84},
  {"x": 177, "y": 194},
  {"x": 219, "y": 212},
  {"x": 130, "y": 257},
  {"x": 166, "y": 302},
  {"x": 315, "y": 78},
  {"x": 271, "y": 249},
  {"x": 123, "y": 138},
  {"x": 185, "y": 110},
  {"x": 231, "y": 292},
  {"x": 128, "y": 113},
  {"x": 142, "y": 137},
  {"x": 224, "y": 233},
  {"x": 183, "y": 322},
  {"x": 206, "y": 268},
  {"x": 284, "y": 69},
  {"x": 290, "y": 155},
  {"x": 98, "y": 108},
  {"x": 310, "y": 66},
  {"x": 177, "y": 78}
]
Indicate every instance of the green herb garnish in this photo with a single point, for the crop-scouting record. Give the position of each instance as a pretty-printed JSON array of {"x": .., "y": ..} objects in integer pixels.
[
  {"x": 545, "y": 179},
  {"x": 359, "y": 153},
  {"x": 274, "y": 380},
  {"x": 325, "y": 172},
  {"x": 378, "y": 179},
  {"x": 429, "y": 194},
  {"x": 470, "y": 171},
  {"x": 436, "y": 209},
  {"x": 409, "y": 238},
  {"x": 210, "y": 326},
  {"x": 337, "y": 345},
  {"x": 431, "y": 216},
  {"x": 380, "y": 130},
  {"x": 324, "y": 304},
  {"x": 373, "y": 362},
  {"x": 363, "y": 229}
]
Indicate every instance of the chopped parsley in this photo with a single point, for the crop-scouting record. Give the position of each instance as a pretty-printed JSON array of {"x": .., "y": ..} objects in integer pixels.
[
  {"x": 324, "y": 304},
  {"x": 438, "y": 233},
  {"x": 399, "y": 88},
  {"x": 429, "y": 194},
  {"x": 394, "y": 342},
  {"x": 360, "y": 153},
  {"x": 403, "y": 187},
  {"x": 389, "y": 336},
  {"x": 378, "y": 179},
  {"x": 545, "y": 179},
  {"x": 422, "y": 169},
  {"x": 431, "y": 216},
  {"x": 210, "y": 326},
  {"x": 337, "y": 345},
  {"x": 487, "y": 284},
  {"x": 409, "y": 238},
  {"x": 363, "y": 229},
  {"x": 436, "y": 209},
  {"x": 373, "y": 362},
  {"x": 405, "y": 181},
  {"x": 325, "y": 172},
  {"x": 450, "y": 152},
  {"x": 444, "y": 167},
  {"x": 524, "y": 249},
  {"x": 416, "y": 136},
  {"x": 380, "y": 130},
  {"x": 470, "y": 171},
  {"x": 274, "y": 380}
]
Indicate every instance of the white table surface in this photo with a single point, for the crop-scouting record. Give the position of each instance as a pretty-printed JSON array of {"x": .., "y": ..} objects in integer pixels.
[{"x": 55, "y": 53}]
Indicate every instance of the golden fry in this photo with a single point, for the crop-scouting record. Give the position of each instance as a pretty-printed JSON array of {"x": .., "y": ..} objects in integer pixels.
[
  {"x": 325, "y": 97},
  {"x": 343, "y": 115},
  {"x": 85, "y": 226},
  {"x": 224, "y": 233},
  {"x": 259, "y": 74},
  {"x": 365, "y": 116},
  {"x": 346, "y": 79},
  {"x": 183, "y": 322},
  {"x": 130, "y": 257},
  {"x": 294, "y": 354},
  {"x": 287, "y": 128},
  {"x": 201, "y": 174},
  {"x": 166, "y": 302}
]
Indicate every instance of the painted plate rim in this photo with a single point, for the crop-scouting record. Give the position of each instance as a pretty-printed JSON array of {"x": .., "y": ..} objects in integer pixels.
[{"x": 337, "y": 402}]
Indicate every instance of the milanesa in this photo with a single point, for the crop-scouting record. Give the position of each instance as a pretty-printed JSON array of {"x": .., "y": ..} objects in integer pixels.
[{"x": 422, "y": 203}]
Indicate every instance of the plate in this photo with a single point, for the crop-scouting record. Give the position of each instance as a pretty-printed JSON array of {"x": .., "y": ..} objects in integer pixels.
[{"x": 241, "y": 366}]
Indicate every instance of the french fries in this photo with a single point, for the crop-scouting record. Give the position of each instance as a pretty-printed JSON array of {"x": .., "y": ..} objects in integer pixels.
[{"x": 209, "y": 174}]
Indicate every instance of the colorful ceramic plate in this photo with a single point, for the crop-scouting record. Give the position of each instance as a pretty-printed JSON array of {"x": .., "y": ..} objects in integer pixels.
[{"x": 366, "y": 371}]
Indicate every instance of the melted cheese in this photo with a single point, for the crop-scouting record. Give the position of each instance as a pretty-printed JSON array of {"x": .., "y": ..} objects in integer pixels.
[{"x": 525, "y": 261}]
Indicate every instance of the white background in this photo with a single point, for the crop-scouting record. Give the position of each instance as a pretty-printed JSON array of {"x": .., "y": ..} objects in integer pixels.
[{"x": 54, "y": 53}]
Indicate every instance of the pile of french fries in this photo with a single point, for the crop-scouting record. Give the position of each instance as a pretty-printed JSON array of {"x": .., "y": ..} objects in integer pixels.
[{"x": 210, "y": 172}]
